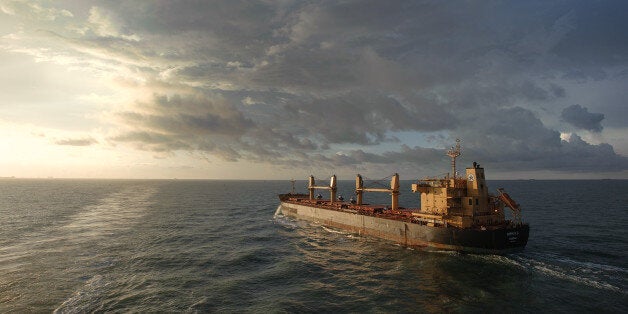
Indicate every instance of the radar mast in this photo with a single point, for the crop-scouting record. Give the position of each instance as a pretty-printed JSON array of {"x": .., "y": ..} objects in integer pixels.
[{"x": 453, "y": 153}]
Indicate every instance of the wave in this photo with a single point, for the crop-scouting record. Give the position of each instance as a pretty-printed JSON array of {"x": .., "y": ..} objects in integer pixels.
[
  {"x": 593, "y": 266},
  {"x": 88, "y": 298},
  {"x": 444, "y": 252},
  {"x": 558, "y": 273},
  {"x": 499, "y": 259},
  {"x": 333, "y": 231},
  {"x": 586, "y": 273}
]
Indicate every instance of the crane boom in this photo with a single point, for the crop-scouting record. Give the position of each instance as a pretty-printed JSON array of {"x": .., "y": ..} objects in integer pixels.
[{"x": 508, "y": 201}]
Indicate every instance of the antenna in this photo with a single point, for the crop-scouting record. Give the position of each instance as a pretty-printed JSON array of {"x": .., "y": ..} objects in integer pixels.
[{"x": 453, "y": 153}]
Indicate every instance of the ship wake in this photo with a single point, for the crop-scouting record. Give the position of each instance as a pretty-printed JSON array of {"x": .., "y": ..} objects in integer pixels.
[{"x": 590, "y": 274}]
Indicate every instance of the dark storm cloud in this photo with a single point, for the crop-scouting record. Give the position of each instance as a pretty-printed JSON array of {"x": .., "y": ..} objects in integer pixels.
[
  {"x": 364, "y": 117},
  {"x": 284, "y": 82},
  {"x": 580, "y": 117},
  {"x": 599, "y": 34}
]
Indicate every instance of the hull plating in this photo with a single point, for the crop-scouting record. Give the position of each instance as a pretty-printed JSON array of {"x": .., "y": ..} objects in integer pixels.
[{"x": 492, "y": 241}]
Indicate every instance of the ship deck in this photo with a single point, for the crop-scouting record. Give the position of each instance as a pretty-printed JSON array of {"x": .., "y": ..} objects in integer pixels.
[{"x": 409, "y": 215}]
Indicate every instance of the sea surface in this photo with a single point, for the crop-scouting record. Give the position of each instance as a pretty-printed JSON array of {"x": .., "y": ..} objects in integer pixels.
[{"x": 76, "y": 246}]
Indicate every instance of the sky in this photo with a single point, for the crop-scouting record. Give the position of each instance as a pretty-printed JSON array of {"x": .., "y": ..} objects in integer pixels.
[{"x": 284, "y": 89}]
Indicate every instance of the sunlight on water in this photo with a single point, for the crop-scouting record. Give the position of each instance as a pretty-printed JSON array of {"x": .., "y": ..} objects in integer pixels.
[{"x": 113, "y": 213}]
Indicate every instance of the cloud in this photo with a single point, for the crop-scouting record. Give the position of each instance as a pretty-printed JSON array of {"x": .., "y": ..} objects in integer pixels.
[
  {"x": 33, "y": 10},
  {"x": 515, "y": 138},
  {"x": 296, "y": 83},
  {"x": 581, "y": 156},
  {"x": 85, "y": 141},
  {"x": 580, "y": 117},
  {"x": 194, "y": 122},
  {"x": 105, "y": 24}
]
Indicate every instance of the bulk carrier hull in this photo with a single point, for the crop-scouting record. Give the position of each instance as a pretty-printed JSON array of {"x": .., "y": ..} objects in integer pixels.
[{"x": 495, "y": 240}]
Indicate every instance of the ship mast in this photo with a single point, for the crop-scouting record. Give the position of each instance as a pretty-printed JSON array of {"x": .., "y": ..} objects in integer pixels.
[{"x": 453, "y": 153}]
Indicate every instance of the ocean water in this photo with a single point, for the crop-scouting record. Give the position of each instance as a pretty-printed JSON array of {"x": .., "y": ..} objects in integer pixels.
[{"x": 75, "y": 246}]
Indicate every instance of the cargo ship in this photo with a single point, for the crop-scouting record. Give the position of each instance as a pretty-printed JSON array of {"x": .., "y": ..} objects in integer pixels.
[{"x": 457, "y": 213}]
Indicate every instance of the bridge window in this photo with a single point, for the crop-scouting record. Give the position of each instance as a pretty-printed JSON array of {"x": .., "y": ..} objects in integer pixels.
[
  {"x": 470, "y": 201},
  {"x": 477, "y": 202}
]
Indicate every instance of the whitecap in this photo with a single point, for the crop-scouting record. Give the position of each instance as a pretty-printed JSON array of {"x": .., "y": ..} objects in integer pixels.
[
  {"x": 278, "y": 212},
  {"x": 333, "y": 231},
  {"x": 285, "y": 221},
  {"x": 85, "y": 299}
]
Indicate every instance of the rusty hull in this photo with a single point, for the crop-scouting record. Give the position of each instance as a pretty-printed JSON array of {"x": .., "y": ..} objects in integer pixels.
[{"x": 399, "y": 227}]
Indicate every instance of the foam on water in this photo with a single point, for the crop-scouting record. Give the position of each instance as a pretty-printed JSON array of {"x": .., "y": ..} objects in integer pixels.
[
  {"x": 443, "y": 252},
  {"x": 590, "y": 274},
  {"x": 86, "y": 299},
  {"x": 279, "y": 218},
  {"x": 278, "y": 211},
  {"x": 594, "y": 267},
  {"x": 334, "y": 230},
  {"x": 578, "y": 274},
  {"x": 498, "y": 259}
]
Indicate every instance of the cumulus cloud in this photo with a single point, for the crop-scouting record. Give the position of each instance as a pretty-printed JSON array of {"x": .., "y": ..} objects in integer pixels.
[
  {"x": 515, "y": 138},
  {"x": 580, "y": 117}
]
